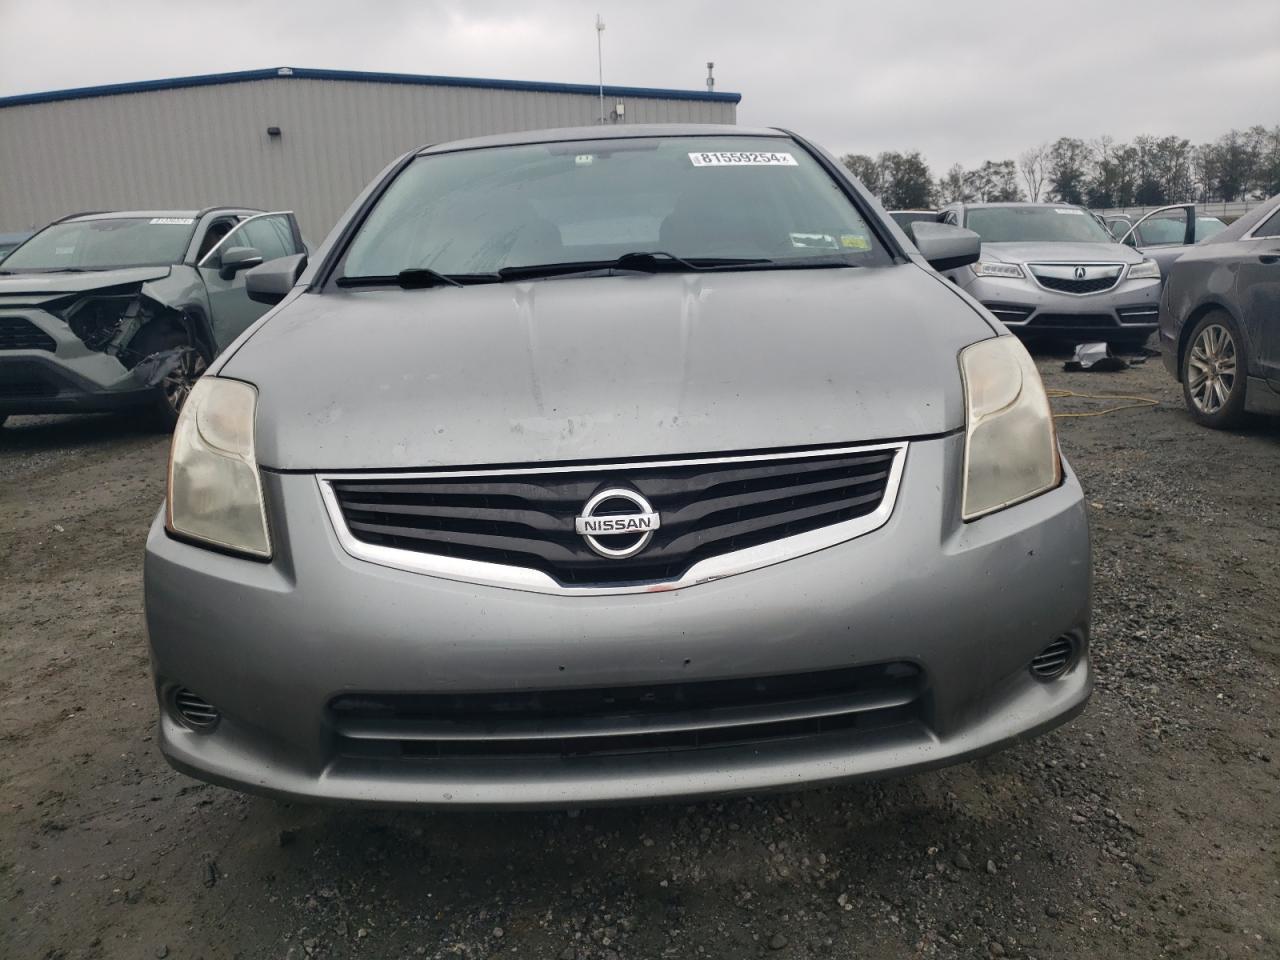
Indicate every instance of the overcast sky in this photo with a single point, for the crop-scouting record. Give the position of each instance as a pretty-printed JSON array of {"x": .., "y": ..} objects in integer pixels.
[{"x": 962, "y": 82}]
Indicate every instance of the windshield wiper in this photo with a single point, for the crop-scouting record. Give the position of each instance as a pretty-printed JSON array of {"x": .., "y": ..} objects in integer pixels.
[
  {"x": 643, "y": 261},
  {"x": 418, "y": 278}
]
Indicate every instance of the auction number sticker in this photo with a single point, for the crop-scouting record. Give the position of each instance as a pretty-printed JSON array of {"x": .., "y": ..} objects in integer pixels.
[
  {"x": 173, "y": 220},
  {"x": 742, "y": 159}
]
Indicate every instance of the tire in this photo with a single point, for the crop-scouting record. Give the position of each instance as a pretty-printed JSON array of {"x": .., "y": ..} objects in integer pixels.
[
  {"x": 1214, "y": 372},
  {"x": 172, "y": 391}
]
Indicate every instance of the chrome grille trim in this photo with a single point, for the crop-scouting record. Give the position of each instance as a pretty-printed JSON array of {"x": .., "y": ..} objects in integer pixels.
[
  {"x": 536, "y": 581},
  {"x": 1065, "y": 272}
]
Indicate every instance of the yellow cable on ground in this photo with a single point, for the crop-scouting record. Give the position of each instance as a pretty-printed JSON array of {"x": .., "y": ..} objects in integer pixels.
[{"x": 1134, "y": 402}]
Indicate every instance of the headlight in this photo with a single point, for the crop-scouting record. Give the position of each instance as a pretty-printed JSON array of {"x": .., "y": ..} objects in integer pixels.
[
  {"x": 215, "y": 492},
  {"x": 1010, "y": 447},
  {"x": 994, "y": 268},
  {"x": 1146, "y": 270}
]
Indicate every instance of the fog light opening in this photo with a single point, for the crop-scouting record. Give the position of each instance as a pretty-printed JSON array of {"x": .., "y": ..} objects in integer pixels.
[
  {"x": 194, "y": 711},
  {"x": 1053, "y": 661}
]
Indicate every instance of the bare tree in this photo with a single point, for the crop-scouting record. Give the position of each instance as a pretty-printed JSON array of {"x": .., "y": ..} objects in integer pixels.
[{"x": 1032, "y": 165}]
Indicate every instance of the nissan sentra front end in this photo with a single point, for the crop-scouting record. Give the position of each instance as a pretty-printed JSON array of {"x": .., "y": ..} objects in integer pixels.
[{"x": 581, "y": 524}]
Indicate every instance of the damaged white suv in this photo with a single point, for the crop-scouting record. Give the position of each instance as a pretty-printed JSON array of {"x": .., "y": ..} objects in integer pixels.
[{"x": 101, "y": 311}]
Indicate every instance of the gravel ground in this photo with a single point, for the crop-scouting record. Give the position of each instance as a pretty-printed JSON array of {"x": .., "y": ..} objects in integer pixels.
[{"x": 1149, "y": 827}]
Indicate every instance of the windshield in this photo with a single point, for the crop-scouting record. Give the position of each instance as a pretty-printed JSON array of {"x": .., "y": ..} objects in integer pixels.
[
  {"x": 1207, "y": 227},
  {"x": 105, "y": 243},
  {"x": 1035, "y": 224},
  {"x": 479, "y": 211}
]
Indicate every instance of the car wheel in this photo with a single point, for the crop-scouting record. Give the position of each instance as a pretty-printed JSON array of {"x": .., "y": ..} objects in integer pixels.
[
  {"x": 174, "y": 387},
  {"x": 1214, "y": 372}
]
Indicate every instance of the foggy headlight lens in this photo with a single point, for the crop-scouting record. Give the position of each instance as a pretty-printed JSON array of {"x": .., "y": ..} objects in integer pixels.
[
  {"x": 1146, "y": 270},
  {"x": 215, "y": 492},
  {"x": 994, "y": 268},
  {"x": 1011, "y": 450}
]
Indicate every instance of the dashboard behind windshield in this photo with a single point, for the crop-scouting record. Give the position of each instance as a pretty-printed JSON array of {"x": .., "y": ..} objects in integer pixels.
[
  {"x": 480, "y": 211},
  {"x": 1036, "y": 225},
  {"x": 105, "y": 243}
]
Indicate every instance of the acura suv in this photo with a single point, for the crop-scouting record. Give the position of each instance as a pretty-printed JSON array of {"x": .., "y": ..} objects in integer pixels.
[
  {"x": 1053, "y": 269},
  {"x": 603, "y": 464}
]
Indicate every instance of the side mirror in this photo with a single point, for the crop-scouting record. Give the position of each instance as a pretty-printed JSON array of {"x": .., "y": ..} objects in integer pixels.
[
  {"x": 271, "y": 282},
  {"x": 945, "y": 245},
  {"x": 235, "y": 259}
]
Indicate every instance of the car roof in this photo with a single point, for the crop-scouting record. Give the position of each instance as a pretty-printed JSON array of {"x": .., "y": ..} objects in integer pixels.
[
  {"x": 606, "y": 132},
  {"x": 1016, "y": 203},
  {"x": 148, "y": 214}
]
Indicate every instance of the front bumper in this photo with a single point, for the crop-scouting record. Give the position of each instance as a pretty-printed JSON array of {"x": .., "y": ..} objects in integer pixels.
[
  {"x": 1130, "y": 309},
  {"x": 271, "y": 645},
  {"x": 69, "y": 378}
]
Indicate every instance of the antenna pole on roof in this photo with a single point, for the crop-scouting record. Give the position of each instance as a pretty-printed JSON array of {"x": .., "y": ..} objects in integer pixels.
[{"x": 600, "y": 60}]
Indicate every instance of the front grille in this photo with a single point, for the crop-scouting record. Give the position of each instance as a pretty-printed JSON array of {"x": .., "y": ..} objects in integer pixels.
[
  {"x": 527, "y": 519},
  {"x": 22, "y": 389},
  {"x": 658, "y": 718},
  {"x": 1079, "y": 321},
  {"x": 1009, "y": 312},
  {"x": 1092, "y": 285},
  {"x": 17, "y": 333}
]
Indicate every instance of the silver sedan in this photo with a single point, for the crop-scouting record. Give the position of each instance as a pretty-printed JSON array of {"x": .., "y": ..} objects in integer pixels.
[{"x": 611, "y": 464}]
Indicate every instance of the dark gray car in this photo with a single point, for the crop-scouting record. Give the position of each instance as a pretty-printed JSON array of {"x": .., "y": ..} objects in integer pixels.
[
  {"x": 1220, "y": 320},
  {"x": 607, "y": 464},
  {"x": 108, "y": 310}
]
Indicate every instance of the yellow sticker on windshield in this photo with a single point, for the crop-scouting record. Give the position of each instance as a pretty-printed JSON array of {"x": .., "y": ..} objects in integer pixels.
[{"x": 855, "y": 241}]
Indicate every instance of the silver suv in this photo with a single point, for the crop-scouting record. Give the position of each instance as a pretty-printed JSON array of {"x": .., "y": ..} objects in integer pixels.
[
  {"x": 103, "y": 311},
  {"x": 606, "y": 464},
  {"x": 1052, "y": 269}
]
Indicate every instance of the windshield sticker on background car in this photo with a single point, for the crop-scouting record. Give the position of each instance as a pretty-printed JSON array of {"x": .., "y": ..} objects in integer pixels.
[
  {"x": 742, "y": 158},
  {"x": 1075, "y": 213},
  {"x": 173, "y": 220},
  {"x": 822, "y": 240},
  {"x": 855, "y": 241}
]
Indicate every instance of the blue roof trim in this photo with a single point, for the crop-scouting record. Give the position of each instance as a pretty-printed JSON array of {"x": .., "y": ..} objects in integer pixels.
[{"x": 306, "y": 73}]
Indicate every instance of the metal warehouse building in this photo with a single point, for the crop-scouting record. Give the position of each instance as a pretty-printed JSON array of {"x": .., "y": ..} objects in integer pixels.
[{"x": 285, "y": 138}]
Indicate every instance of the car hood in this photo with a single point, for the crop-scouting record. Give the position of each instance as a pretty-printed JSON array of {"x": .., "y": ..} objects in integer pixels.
[
  {"x": 38, "y": 284},
  {"x": 607, "y": 368},
  {"x": 1060, "y": 252}
]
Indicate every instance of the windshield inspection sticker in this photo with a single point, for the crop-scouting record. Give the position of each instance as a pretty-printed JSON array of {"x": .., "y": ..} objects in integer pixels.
[
  {"x": 1076, "y": 213},
  {"x": 742, "y": 159},
  {"x": 855, "y": 241},
  {"x": 174, "y": 220},
  {"x": 821, "y": 240}
]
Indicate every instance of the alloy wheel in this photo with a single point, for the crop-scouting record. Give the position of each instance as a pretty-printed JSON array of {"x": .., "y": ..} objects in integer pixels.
[
  {"x": 1211, "y": 368},
  {"x": 178, "y": 382}
]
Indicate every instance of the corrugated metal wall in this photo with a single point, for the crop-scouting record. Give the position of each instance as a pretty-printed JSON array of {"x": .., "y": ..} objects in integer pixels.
[{"x": 202, "y": 146}]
